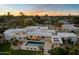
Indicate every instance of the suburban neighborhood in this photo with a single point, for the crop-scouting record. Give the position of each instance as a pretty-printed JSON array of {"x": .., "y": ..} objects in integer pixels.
[{"x": 39, "y": 34}]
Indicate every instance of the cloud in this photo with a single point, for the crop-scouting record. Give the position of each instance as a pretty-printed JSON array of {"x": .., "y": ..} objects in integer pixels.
[{"x": 40, "y": 9}]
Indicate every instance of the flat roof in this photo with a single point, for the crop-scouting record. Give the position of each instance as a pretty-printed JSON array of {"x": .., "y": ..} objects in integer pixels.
[
  {"x": 32, "y": 30},
  {"x": 66, "y": 34},
  {"x": 39, "y": 33}
]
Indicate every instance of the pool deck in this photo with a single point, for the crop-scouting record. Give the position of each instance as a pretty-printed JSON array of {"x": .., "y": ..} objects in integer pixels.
[{"x": 47, "y": 47}]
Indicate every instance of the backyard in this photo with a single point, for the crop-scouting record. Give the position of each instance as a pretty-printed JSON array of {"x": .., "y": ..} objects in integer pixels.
[
  {"x": 25, "y": 52},
  {"x": 5, "y": 49}
]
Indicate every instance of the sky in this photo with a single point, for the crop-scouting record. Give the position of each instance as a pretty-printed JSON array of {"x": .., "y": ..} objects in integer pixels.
[{"x": 40, "y": 9}]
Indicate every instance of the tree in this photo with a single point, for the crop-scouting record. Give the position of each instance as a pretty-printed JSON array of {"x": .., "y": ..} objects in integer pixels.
[
  {"x": 75, "y": 20},
  {"x": 38, "y": 20},
  {"x": 8, "y": 13},
  {"x": 21, "y": 22},
  {"x": 16, "y": 22},
  {"x": 74, "y": 50},
  {"x": 69, "y": 41},
  {"x": 29, "y": 22},
  {"x": 3, "y": 28},
  {"x": 2, "y": 20},
  {"x": 1, "y": 36},
  {"x": 21, "y": 13},
  {"x": 58, "y": 51},
  {"x": 67, "y": 49},
  {"x": 63, "y": 40}
]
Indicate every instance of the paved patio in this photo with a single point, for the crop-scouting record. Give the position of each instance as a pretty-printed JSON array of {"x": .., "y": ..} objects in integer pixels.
[{"x": 47, "y": 47}]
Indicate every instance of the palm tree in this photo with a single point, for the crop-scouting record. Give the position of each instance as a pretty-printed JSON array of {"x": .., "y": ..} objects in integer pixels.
[
  {"x": 8, "y": 13},
  {"x": 21, "y": 13}
]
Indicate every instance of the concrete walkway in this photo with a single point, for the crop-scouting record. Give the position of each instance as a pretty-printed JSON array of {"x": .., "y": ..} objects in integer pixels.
[{"x": 47, "y": 47}]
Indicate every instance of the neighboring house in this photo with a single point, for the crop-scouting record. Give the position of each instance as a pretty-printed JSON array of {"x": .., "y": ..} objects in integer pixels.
[
  {"x": 68, "y": 27},
  {"x": 67, "y": 36}
]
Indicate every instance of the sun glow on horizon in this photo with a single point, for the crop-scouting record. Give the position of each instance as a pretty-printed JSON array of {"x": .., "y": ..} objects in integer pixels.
[{"x": 28, "y": 9}]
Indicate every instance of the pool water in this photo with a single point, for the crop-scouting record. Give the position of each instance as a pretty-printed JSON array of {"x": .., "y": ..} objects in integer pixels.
[{"x": 35, "y": 43}]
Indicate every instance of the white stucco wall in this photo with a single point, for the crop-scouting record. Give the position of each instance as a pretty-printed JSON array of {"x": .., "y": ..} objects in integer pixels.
[{"x": 34, "y": 48}]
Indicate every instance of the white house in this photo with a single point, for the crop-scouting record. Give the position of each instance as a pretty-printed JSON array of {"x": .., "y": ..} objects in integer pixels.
[
  {"x": 10, "y": 33},
  {"x": 35, "y": 36},
  {"x": 29, "y": 31},
  {"x": 32, "y": 33},
  {"x": 67, "y": 36},
  {"x": 68, "y": 27}
]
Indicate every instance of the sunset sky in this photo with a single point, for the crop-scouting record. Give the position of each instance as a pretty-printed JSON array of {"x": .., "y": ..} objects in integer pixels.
[{"x": 40, "y": 9}]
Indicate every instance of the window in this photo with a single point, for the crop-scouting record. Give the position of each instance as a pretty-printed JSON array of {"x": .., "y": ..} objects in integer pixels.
[
  {"x": 43, "y": 37},
  {"x": 30, "y": 48},
  {"x": 20, "y": 37},
  {"x": 23, "y": 32},
  {"x": 56, "y": 40},
  {"x": 34, "y": 48},
  {"x": 31, "y": 36},
  {"x": 60, "y": 45},
  {"x": 26, "y": 37},
  {"x": 48, "y": 37}
]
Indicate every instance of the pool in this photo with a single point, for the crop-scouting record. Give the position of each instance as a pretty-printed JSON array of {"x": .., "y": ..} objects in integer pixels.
[{"x": 30, "y": 43}]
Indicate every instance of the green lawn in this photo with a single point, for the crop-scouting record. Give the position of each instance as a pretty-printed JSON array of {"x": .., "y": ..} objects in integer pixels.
[
  {"x": 5, "y": 47},
  {"x": 25, "y": 52}
]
